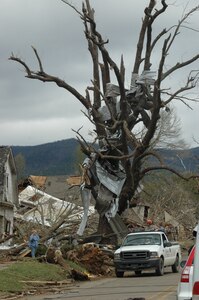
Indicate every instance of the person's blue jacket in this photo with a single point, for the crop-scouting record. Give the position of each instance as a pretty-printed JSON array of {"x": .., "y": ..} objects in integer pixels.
[{"x": 33, "y": 240}]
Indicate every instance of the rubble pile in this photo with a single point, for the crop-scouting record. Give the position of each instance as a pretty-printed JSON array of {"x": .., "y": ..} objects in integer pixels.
[{"x": 93, "y": 258}]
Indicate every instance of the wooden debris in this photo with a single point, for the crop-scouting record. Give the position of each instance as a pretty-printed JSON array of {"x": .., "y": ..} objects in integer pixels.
[
  {"x": 12, "y": 297},
  {"x": 40, "y": 282},
  {"x": 78, "y": 275},
  {"x": 136, "y": 299},
  {"x": 54, "y": 255},
  {"x": 7, "y": 237},
  {"x": 24, "y": 252},
  {"x": 92, "y": 258}
]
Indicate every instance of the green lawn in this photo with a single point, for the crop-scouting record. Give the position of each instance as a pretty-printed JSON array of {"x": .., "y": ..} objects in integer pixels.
[{"x": 11, "y": 278}]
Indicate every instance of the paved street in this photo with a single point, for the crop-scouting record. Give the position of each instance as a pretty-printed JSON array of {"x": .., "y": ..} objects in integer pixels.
[{"x": 148, "y": 286}]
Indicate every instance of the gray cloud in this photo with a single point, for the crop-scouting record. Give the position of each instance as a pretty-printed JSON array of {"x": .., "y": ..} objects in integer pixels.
[{"x": 33, "y": 112}]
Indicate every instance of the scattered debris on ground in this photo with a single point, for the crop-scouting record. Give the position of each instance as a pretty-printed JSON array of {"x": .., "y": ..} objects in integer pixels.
[{"x": 95, "y": 259}]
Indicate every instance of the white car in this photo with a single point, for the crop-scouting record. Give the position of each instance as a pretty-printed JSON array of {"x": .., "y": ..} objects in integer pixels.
[
  {"x": 195, "y": 289},
  {"x": 185, "y": 286}
]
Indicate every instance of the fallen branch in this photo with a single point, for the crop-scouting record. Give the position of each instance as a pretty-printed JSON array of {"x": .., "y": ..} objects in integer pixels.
[
  {"x": 40, "y": 282},
  {"x": 6, "y": 238}
]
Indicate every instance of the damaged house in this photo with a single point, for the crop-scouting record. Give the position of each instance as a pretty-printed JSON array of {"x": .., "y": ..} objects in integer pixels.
[
  {"x": 38, "y": 207},
  {"x": 8, "y": 190}
]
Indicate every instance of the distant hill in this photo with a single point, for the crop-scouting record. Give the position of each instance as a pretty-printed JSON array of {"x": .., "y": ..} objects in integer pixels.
[
  {"x": 182, "y": 160},
  {"x": 61, "y": 158},
  {"x": 56, "y": 158}
]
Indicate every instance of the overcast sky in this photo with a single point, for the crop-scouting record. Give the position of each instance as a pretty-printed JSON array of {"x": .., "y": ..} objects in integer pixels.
[{"x": 35, "y": 113}]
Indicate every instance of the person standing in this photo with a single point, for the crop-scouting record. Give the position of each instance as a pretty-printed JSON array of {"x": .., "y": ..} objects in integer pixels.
[{"x": 33, "y": 242}]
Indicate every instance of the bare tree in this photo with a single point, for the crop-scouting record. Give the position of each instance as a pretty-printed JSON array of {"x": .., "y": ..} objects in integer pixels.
[
  {"x": 173, "y": 196},
  {"x": 113, "y": 171},
  {"x": 168, "y": 133}
]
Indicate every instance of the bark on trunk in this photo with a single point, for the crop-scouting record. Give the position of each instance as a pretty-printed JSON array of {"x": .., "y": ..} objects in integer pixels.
[{"x": 106, "y": 232}]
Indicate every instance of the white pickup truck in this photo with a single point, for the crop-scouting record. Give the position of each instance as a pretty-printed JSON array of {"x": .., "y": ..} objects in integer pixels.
[{"x": 147, "y": 250}]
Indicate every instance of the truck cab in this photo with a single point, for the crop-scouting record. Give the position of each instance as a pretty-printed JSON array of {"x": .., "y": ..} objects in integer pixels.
[{"x": 146, "y": 250}]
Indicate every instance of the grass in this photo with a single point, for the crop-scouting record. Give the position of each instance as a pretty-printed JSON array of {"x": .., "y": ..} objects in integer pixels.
[{"x": 11, "y": 278}]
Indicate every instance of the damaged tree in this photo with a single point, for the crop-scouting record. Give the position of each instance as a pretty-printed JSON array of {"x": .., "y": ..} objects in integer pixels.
[{"x": 113, "y": 171}]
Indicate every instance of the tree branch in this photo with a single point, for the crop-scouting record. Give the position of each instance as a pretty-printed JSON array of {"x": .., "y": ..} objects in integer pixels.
[
  {"x": 152, "y": 18},
  {"x": 44, "y": 77},
  {"x": 140, "y": 43},
  {"x": 179, "y": 66},
  {"x": 191, "y": 83}
]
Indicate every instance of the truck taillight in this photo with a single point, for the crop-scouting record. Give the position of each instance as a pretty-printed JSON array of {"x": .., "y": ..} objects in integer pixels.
[
  {"x": 185, "y": 274},
  {"x": 196, "y": 290}
]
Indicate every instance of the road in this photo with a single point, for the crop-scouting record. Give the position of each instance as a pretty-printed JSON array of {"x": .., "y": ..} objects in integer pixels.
[{"x": 148, "y": 287}]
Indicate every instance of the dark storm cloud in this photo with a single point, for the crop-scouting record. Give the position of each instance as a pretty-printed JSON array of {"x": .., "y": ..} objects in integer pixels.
[{"x": 56, "y": 31}]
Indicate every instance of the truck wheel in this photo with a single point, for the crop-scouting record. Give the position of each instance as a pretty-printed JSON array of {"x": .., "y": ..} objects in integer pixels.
[
  {"x": 138, "y": 272},
  {"x": 160, "y": 269},
  {"x": 119, "y": 273},
  {"x": 175, "y": 267}
]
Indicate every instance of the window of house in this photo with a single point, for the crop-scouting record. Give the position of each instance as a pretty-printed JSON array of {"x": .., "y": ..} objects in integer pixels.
[
  {"x": 7, "y": 181},
  {"x": 6, "y": 187},
  {"x": 1, "y": 225},
  {"x": 7, "y": 226}
]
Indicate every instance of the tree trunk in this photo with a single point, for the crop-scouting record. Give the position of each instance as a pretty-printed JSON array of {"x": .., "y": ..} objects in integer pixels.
[{"x": 105, "y": 230}]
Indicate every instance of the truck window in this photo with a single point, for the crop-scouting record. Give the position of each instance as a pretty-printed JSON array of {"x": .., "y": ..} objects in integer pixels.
[
  {"x": 164, "y": 238},
  {"x": 142, "y": 239}
]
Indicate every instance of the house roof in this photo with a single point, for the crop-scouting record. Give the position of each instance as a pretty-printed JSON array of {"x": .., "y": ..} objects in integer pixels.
[
  {"x": 74, "y": 180},
  {"x": 57, "y": 186},
  {"x": 38, "y": 181},
  {"x": 53, "y": 185}
]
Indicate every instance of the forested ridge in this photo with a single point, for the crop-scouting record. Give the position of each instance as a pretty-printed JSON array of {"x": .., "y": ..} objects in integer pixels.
[
  {"x": 55, "y": 158},
  {"x": 62, "y": 158}
]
